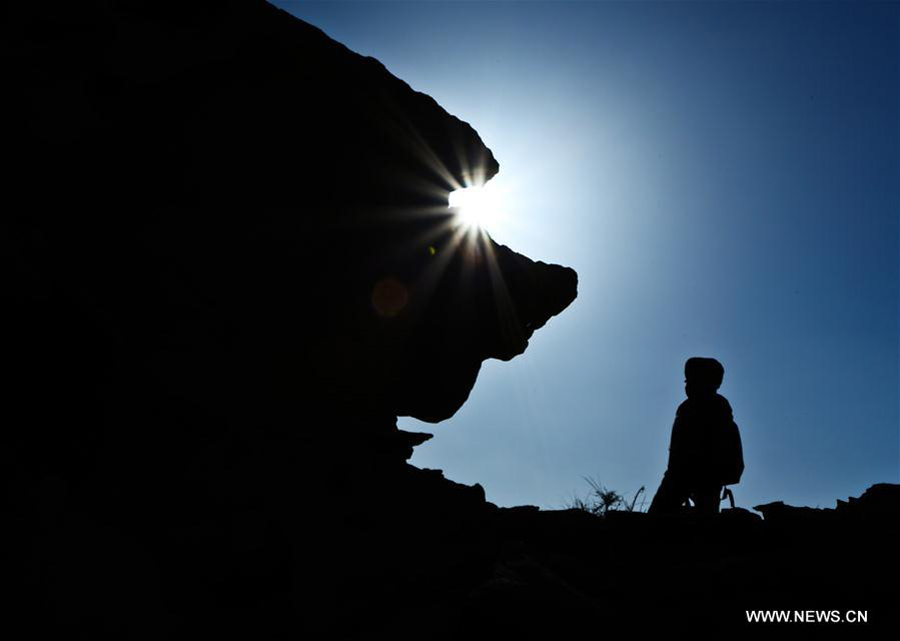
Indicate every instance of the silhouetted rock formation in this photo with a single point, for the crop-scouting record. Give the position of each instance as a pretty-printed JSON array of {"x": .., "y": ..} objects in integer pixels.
[{"x": 228, "y": 268}]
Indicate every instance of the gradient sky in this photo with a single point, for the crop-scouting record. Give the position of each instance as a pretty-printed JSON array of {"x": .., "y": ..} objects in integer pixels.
[{"x": 724, "y": 178}]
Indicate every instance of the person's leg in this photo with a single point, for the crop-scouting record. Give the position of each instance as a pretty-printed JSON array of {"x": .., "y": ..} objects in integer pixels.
[
  {"x": 670, "y": 496},
  {"x": 706, "y": 499}
]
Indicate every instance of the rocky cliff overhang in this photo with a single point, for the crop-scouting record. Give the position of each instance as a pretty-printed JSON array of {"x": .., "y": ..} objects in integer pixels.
[
  {"x": 228, "y": 266},
  {"x": 220, "y": 198}
]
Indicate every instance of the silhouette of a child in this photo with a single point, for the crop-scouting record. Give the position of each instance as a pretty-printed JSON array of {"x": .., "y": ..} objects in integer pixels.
[{"x": 703, "y": 423}]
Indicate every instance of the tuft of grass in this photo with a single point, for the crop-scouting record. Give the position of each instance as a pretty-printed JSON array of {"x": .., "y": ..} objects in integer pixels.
[{"x": 601, "y": 500}]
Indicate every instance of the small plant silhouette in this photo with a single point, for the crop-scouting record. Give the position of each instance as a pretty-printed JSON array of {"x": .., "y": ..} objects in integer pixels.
[{"x": 601, "y": 500}]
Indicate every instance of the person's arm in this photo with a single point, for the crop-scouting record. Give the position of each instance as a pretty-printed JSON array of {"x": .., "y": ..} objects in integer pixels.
[{"x": 676, "y": 447}]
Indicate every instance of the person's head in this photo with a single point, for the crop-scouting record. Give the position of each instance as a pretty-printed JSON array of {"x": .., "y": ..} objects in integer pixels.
[{"x": 702, "y": 376}]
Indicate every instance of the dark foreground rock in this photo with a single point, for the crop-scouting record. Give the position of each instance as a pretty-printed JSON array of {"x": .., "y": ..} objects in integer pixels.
[
  {"x": 228, "y": 266},
  {"x": 569, "y": 573}
]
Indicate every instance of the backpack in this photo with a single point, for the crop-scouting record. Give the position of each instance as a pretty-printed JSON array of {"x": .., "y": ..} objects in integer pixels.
[{"x": 730, "y": 455}]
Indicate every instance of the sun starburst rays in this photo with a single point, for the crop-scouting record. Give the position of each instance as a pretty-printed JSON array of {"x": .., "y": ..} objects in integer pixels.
[{"x": 457, "y": 239}]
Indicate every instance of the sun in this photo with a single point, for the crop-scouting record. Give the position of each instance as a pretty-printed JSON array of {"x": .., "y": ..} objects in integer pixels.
[{"x": 477, "y": 208}]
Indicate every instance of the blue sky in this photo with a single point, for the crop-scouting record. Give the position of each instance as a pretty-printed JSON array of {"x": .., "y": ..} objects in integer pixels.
[{"x": 725, "y": 178}]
